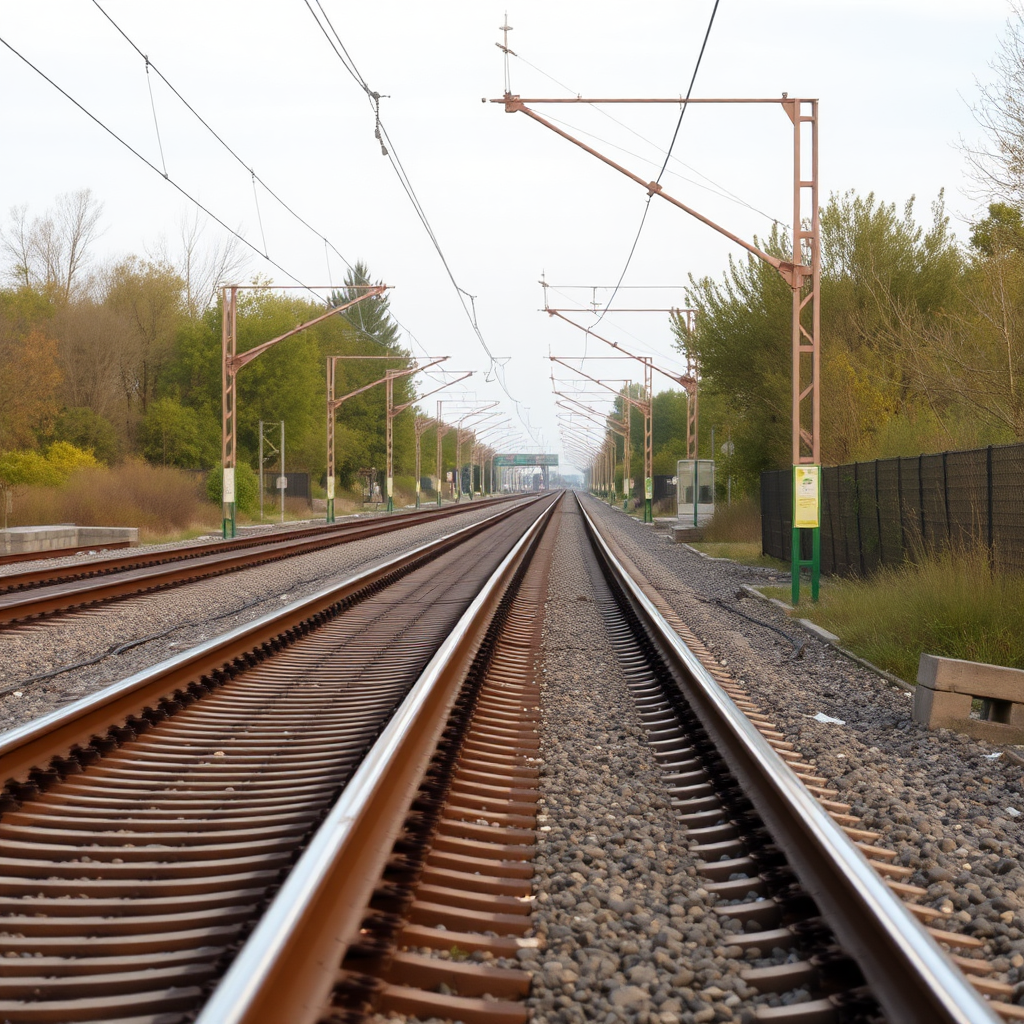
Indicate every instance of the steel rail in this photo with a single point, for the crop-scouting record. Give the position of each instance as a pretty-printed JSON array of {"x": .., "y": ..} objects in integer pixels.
[
  {"x": 906, "y": 970},
  {"x": 286, "y": 969},
  {"x": 33, "y": 745},
  {"x": 333, "y": 533}
]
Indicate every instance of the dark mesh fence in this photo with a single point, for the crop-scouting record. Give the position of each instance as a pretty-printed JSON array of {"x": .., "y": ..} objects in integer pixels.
[{"x": 882, "y": 513}]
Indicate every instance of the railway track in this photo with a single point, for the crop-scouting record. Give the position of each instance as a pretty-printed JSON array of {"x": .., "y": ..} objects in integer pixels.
[
  {"x": 351, "y": 921},
  {"x": 780, "y": 854},
  {"x": 53, "y": 590},
  {"x": 149, "y": 826}
]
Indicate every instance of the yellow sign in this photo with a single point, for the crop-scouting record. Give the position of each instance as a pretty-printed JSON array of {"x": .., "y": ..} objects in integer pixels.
[{"x": 806, "y": 497}]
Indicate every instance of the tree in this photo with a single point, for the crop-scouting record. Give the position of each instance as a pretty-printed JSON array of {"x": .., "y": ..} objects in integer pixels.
[
  {"x": 742, "y": 344},
  {"x": 29, "y": 374},
  {"x": 86, "y": 429},
  {"x": 95, "y": 352},
  {"x": 52, "y": 253},
  {"x": 171, "y": 435},
  {"x": 148, "y": 297},
  {"x": 884, "y": 279},
  {"x": 1001, "y": 230},
  {"x": 997, "y": 162},
  {"x": 371, "y": 318},
  {"x": 973, "y": 354},
  {"x": 202, "y": 271}
]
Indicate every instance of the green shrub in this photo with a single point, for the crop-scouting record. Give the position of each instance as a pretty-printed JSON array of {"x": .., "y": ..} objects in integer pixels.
[
  {"x": 247, "y": 488},
  {"x": 88, "y": 430}
]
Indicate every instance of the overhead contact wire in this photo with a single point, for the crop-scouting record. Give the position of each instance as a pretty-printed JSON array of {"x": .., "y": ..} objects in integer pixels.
[
  {"x": 209, "y": 213},
  {"x": 668, "y": 155},
  {"x": 390, "y": 152}
]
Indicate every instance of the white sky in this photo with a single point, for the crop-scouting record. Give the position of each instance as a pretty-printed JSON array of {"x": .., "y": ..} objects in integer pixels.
[{"x": 506, "y": 198}]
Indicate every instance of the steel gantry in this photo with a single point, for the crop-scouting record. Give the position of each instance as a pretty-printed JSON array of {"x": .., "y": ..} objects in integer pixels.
[
  {"x": 332, "y": 405},
  {"x": 393, "y": 411},
  {"x": 422, "y": 425},
  {"x": 231, "y": 363},
  {"x": 459, "y": 428},
  {"x": 493, "y": 431},
  {"x": 688, "y": 381},
  {"x": 609, "y": 421},
  {"x": 644, "y": 404},
  {"x": 802, "y": 274},
  {"x": 612, "y": 424}
]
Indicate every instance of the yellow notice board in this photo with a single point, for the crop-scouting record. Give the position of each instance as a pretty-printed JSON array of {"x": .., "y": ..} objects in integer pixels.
[{"x": 806, "y": 497}]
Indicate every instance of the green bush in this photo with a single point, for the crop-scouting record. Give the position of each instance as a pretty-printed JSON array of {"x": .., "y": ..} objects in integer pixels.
[
  {"x": 170, "y": 435},
  {"x": 247, "y": 488},
  {"x": 30, "y": 468},
  {"x": 88, "y": 430}
]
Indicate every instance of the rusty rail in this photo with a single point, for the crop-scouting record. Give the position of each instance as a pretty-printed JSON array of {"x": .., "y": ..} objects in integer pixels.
[
  {"x": 907, "y": 971},
  {"x": 288, "y": 966}
]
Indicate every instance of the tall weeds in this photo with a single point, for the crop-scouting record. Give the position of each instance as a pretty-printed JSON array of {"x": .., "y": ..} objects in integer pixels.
[
  {"x": 162, "y": 502},
  {"x": 949, "y": 604}
]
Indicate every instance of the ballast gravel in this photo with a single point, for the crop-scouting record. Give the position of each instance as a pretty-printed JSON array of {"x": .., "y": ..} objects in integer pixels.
[
  {"x": 951, "y": 807},
  {"x": 628, "y": 933}
]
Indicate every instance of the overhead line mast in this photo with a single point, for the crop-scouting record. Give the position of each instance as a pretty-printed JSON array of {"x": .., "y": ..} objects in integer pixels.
[{"x": 802, "y": 274}]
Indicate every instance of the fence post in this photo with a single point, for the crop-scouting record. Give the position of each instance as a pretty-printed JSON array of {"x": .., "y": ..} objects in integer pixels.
[
  {"x": 878, "y": 518},
  {"x": 899, "y": 506},
  {"x": 945, "y": 500},
  {"x": 920, "y": 500},
  {"x": 988, "y": 506},
  {"x": 857, "y": 512}
]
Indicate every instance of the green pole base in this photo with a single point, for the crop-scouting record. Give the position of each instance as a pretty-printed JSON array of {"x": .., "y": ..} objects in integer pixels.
[
  {"x": 813, "y": 563},
  {"x": 330, "y": 510},
  {"x": 648, "y": 511},
  {"x": 390, "y": 505},
  {"x": 228, "y": 523}
]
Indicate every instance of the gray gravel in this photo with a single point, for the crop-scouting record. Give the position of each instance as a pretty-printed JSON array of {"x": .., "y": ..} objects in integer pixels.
[
  {"x": 951, "y": 807},
  {"x": 629, "y": 933}
]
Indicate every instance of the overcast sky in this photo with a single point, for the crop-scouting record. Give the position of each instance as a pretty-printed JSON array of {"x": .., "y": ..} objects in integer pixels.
[{"x": 506, "y": 199}]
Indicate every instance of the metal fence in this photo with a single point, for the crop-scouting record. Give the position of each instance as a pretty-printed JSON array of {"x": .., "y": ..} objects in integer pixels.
[
  {"x": 885, "y": 512},
  {"x": 298, "y": 484}
]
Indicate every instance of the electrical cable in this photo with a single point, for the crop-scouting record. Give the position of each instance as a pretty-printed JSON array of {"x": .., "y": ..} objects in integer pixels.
[
  {"x": 209, "y": 213},
  {"x": 188, "y": 106},
  {"x": 713, "y": 187},
  {"x": 389, "y": 150},
  {"x": 675, "y": 135},
  {"x": 717, "y": 188},
  {"x": 798, "y": 645}
]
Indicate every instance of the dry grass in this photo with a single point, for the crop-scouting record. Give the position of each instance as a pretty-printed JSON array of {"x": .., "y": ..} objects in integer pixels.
[
  {"x": 163, "y": 503},
  {"x": 735, "y": 532},
  {"x": 739, "y": 522}
]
